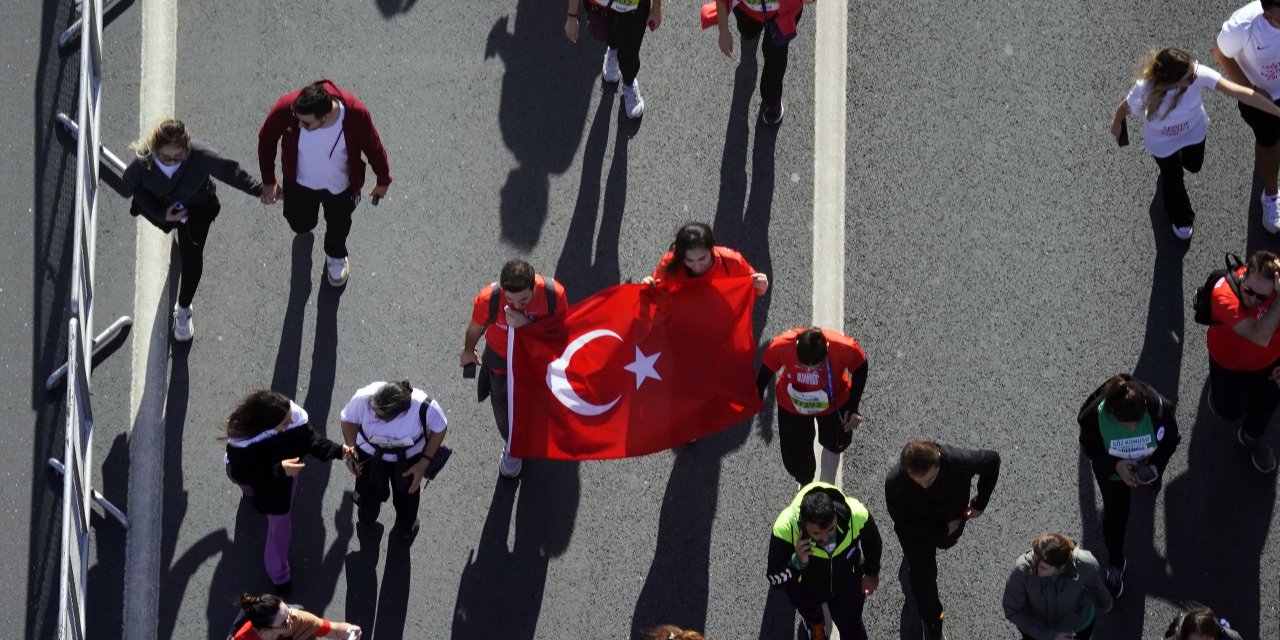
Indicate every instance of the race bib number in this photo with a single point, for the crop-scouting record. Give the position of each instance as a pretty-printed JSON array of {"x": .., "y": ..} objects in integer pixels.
[{"x": 808, "y": 403}]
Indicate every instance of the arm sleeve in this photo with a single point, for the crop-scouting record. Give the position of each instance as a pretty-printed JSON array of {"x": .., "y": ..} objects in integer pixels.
[
  {"x": 1166, "y": 445},
  {"x": 905, "y": 522},
  {"x": 1091, "y": 444},
  {"x": 375, "y": 152},
  {"x": 230, "y": 172},
  {"x": 144, "y": 202},
  {"x": 269, "y": 138},
  {"x": 1137, "y": 100},
  {"x": 1233, "y": 36},
  {"x": 1206, "y": 77},
  {"x": 988, "y": 468},
  {"x": 660, "y": 271},
  {"x": 857, "y": 384},
  {"x": 307, "y": 625},
  {"x": 246, "y": 468},
  {"x": 323, "y": 448},
  {"x": 872, "y": 546},
  {"x": 762, "y": 378},
  {"x": 780, "y": 570}
]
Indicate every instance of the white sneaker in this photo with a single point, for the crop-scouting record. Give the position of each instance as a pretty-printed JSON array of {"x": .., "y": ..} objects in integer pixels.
[
  {"x": 336, "y": 270},
  {"x": 183, "y": 328},
  {"x": 632, "y": 100},
  {"x": 1183, "y": 233},
  {"x": 1270, "y": 213},
  {"x": 611, "y": 72},
  {"x": 510, "y": 465}
]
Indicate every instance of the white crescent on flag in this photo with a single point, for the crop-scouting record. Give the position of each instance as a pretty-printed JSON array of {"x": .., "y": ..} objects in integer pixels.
[{"x": 558, "y": 381}]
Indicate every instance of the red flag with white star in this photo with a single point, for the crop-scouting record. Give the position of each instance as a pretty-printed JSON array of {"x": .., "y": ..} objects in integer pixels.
[{"x": 634, "y": 370}]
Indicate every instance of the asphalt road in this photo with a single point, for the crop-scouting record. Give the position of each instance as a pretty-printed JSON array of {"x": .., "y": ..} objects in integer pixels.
[{"x": 1003, "y": 258}]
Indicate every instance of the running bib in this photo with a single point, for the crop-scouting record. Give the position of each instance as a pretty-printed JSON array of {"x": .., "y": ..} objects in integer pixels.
[
  {"x": 1135, "y": 448},
  {"x": 809, "y": 403}
]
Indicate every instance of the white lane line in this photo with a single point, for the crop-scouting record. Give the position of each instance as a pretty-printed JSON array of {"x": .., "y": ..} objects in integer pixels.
[
  {"x": 829, "y": 121},
  {"x": 150, "y": 344}
]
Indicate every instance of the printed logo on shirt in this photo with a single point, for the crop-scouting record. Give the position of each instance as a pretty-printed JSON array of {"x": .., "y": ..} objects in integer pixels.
[
  {"x": 1176, "y": 129},
  {"x": 807, "y": 377},
  {"x": 1270, "y": 71}
]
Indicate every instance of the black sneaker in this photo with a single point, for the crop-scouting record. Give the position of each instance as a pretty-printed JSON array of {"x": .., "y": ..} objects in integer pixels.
[
  {"x": 1115, "y": 579},
  {"x": 407, "y": 532},
  {"x": 772, "y": 113},
  {"x": 933, "y": 631},
  {"x": 1260, "y": 454}
]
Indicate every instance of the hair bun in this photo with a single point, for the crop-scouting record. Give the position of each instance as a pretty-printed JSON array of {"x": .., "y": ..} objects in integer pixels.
[{"x": 248, "y": 600}]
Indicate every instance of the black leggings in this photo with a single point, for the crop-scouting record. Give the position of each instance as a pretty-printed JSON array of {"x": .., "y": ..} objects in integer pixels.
[
  {"x": 1244, "y": 395},
  {"x": 191, "y": 239},
  {"x": 795, "y": 438},
  {"x": 624, "y": 32},
  {"x": 775, "y": 56},
  {"x": 1173, "y": 188},
  {"x": 1116, "y": 497}
]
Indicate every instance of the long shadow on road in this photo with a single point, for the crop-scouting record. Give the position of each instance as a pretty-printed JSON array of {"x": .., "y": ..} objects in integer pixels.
[{"x": 514, "y": 581}]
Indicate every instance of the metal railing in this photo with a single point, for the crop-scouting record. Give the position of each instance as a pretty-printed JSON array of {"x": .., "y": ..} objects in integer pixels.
[{"x": 76, "y": 466}]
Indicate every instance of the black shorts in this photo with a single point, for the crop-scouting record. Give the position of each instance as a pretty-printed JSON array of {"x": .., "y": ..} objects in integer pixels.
[{"x": 1266, "y": 127}]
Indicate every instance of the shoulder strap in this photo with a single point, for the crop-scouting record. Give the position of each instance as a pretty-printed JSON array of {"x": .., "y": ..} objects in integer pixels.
[
  {"x": 495, "y": 292},
  {"x": 549, "y": 287},
  {"x": 1233, "y": 263},
  {"x": 422, "y": 415}
]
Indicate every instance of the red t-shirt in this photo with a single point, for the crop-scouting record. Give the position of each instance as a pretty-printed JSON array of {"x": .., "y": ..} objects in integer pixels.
[
  {"x": 811, "y": 391},
  {"x": 727, "y": 263},
  {"x": 1229, "y": 349},
  {"x": 311, "y": 627},
  {"x": 495, "y": 334}
]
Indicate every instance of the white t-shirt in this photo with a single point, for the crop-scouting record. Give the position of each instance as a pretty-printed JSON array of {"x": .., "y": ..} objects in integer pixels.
[
  {"x": 322, "y": 156},
  {"x": 403, "y": 430},
  {"x": 167, "y": 169},
  {"x": 1255, "y": 45},
  {"x": 1185, "y": 124}
]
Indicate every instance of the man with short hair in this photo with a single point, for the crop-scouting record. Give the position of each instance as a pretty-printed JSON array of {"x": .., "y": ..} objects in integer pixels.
[
  {"x": 825, "y": 548},
  {"x": 1243, "y": 352},
  {"x": 928, "y": 497},
  {"x": 1248, "y": 52},
  {"x": 322, "y": 132},
  {"x": 397, "y": 432},
  {"x": 518, "y": 298}
]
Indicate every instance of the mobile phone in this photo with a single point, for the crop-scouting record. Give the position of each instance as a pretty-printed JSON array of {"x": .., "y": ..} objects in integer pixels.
[
  {"x": 469, "y": 371},
  {"x": 375, "y": 200},
  {"x": 1123, "y": 139},
  {"x": 1143, "y": 473}
]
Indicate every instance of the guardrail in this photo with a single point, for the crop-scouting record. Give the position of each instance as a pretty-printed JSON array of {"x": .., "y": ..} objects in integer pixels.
[{"x": 77, "y": 460}]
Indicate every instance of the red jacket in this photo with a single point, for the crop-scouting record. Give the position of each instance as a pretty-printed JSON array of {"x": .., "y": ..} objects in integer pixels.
[{"x": 357, "y": 125}]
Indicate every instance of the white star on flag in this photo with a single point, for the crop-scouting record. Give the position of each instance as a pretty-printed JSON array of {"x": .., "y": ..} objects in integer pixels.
[{"x": 643, "y": 367}]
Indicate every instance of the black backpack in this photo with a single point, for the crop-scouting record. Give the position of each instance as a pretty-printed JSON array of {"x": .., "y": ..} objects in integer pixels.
[{"x": 1200, "y": 304}]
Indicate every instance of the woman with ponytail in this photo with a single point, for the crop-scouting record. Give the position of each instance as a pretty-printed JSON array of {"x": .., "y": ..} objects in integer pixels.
[
  {"x": 1200, "y": 623},
  {"x": 1174, "y": 122},
  {"x": 267, "y": 435},
  {"x": 672, "y": 632},
  {"x": 267, "y": 617},
  {"x": 170, "y": 180}
]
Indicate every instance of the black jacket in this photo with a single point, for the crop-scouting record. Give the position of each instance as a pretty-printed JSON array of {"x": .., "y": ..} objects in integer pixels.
[
  {"x": 1163, "y": 416},
  {"x": 258, "y": 465},
  {"x": 861, "y": 557},
  {"x": 920, "y": 512},
  {"x": 153, "y": 191}
]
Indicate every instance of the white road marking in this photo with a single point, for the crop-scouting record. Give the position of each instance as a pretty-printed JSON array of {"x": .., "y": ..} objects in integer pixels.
[
  {"x": 150, "y": 344},
  {"x": 829, "y": 122}
]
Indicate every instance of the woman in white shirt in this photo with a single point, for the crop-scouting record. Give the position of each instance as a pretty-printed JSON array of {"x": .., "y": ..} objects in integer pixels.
[{"x": 1174, "y": 122}]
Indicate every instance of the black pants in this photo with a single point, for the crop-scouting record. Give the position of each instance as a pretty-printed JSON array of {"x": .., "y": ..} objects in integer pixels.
[
  {"x": 1243, "y": 394},
  {"x": 1116, "y": 497},
  {"x": 380, "y": 479},
  {"x": 623, "y": 32},
  {"x": 191, "y": 238},
  {"x": 498, "y": 400},
  {"x": 775, "y": 56},
  {"x": 921, "y": 555},
  {"x": 1172, "y": 186},
  {"x": 302, "y": 210},
  {"x": 845, "y": 600},
  {"x": 795, "y": 438}
]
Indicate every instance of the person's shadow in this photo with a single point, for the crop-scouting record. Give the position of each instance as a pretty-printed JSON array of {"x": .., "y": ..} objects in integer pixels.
[
  {"x": 392, "y": 8},
  {"x": 546, "y": 91},
  {"x": 381, "y": 612},
  {"x": 549, "y": 491}
]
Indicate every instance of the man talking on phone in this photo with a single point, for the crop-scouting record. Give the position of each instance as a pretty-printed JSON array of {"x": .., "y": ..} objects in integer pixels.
[
  {"x": 928, "y": 497},
  {"x": 826, "y": 548}
]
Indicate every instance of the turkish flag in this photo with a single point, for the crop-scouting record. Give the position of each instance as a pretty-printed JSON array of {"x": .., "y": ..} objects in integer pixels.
[{"x": 634, "y": 370}]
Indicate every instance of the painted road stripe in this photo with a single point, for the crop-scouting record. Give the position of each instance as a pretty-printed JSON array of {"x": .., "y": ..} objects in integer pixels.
[
  {"x": 829, "y": 121},
  {"x": 150, "y": 344}
]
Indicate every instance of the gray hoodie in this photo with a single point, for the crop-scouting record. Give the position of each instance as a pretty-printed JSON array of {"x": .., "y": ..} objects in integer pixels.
[{"x": 1044, "y": 607}]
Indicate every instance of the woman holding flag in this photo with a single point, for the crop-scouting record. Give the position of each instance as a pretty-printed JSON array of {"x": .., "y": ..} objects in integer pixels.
[{"x": 694, "y": 255}]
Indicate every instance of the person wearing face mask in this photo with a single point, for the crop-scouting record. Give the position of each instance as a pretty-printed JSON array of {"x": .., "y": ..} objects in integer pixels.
[
  {"x": 170, "y": 180},
  {"x": 1055, "y": 591},
  {"x": 1200, "y": 623},
  {"x": 267, "y": 436},
  {"x": 821, "y": 377},
  {"x": 1129, "y": 432},
  {"x": 1244, "y": 353},
  {"x": 519, "y": 297},
  {"x": 928, "y": 496},
  {"x": 1166, "y": 98},
  {"x": 694, "y": 254},
  {"x": 267, "y": 617},
  {"x": 322, "y": 132},
  {"x": 825, "y": 549},
  {"x": 1247, "y": 52}
]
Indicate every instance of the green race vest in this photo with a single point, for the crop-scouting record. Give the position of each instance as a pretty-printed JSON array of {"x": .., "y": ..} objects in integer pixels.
[
  {"x": 787, "y": 526},
  {"x": 1138, "y": 443}
]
